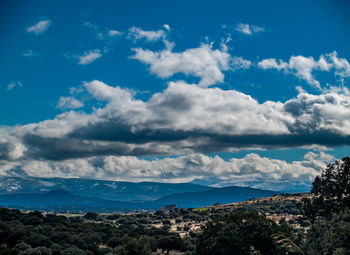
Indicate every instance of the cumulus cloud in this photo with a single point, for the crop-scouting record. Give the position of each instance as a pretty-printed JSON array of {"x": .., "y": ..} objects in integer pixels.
[
  {"x": 136, "y": 33},
  {"x": 104, "y": 92},
  {"x": 340, "y": 65},
  {"x": 11, "y": 151},
  {"x": 182, "y": 119},
  {"x": 251, "y": 170},
  {"x": 248, "y": 29},
  {"x": 40, "y": 27},
  {"x": 203, "y": 62},
  {"x": 15, "y": 84},
  {"x": 304, "y": 67},
  {"x": 65, "y": 103},
  {"x": 11, "y": 148},
  {"x": 89, "y": 56}
]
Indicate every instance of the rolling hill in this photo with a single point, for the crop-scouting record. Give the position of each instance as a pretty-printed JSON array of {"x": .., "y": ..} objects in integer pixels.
[{"x": 219, "y": 195}]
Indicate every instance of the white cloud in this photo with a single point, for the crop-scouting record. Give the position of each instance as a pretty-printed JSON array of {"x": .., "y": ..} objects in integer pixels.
[
  {"x": 90, "y": 25},
  {"x": 203, "y": 62},
  {"x": 39, "y": 27},
  {"x": 102, "y": 91},
  {"x": 167, "y": 27},
  {"x": 15, "y": 84},
  {"x": 248, "y": 29},
  {"x": 325, "y": 113},
  {"x": 239, "y": 63},
  {"x": 185, "y": 119},
  {"x": 28, "y": 53},
  {"x": 59, "y": 127},
  {"x": 89, "y": 56},
  {"x": 189, "y": 107},
  {"x": 11, "y": 148},
  {"x": 304, "y": 67},
  {"x": 113, "y": 33},
  {"x": 251, "y": 170},
  {"x": 340, "y": 65},
  {"x": 316, "y": 147},
  {"x": 272, "y": 63},
  {"x": 108, "y": 35},
  {"x": 65, "y": 103},
  {"x": 136, "y": 33}
]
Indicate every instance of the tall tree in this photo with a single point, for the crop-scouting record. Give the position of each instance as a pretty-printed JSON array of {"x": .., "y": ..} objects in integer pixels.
[{"x": 331, "y": 191}]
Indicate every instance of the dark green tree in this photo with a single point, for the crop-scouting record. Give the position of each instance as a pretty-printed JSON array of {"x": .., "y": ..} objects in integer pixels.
[
  {"x": 241, "y": 233},
  {"x": 135, "y": 246},
  {"x": 334, "y": 182},
  {"x": 329, "y": 210},
  {"x": 169, "y": 243},
  {"x": 331, "y": 191},
  {"x": 91, "y": 216},
  {"x": 329, "y": 236}
]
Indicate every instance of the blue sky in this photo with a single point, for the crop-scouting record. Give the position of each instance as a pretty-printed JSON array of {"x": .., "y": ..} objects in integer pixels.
[{"x": 222, "y": 92}]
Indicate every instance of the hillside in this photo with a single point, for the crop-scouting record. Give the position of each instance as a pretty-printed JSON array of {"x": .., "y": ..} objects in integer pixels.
[{"x": 210, "y": 197}]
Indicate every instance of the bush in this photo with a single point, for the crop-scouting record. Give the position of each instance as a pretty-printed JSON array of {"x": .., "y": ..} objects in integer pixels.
[{"x": 91, "y": 216}]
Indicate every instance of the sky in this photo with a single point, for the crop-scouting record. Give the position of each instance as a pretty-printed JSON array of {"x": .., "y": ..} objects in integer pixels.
[{"x": 247, "y": 93}]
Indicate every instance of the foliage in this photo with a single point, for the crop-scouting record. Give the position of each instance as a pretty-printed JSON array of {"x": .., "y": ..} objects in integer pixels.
[
  {"x": 169, "y": 243},
  {"x": 33, "y": 233},
  {"x": 331, "y": 191},
  {"x": 242, "y": 232},
  {"x": 135, "y": 246},
  {"x": 329, "y": 236},
  {"x": 329, "y": 211},
  {"x": 334, "y": 182}
]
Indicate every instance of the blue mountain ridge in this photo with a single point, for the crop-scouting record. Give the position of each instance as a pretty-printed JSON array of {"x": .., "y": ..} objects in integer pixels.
[
  {"x": 110, "y": 190},
  {"x": 60, "y": 200}
]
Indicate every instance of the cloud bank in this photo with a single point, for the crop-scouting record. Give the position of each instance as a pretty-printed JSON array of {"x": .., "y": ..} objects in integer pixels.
[
  {"x": 252, "y": 170},
  {"x": 182, "y": 119}
]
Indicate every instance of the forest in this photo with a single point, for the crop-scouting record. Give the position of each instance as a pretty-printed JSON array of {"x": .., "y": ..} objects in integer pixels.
[{"x": 323, "y": 218}]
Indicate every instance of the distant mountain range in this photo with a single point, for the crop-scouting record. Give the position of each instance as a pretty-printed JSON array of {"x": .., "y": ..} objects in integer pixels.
[
  {"x": 111, "y": 190},
  {"x": 61, "y": 201},
  {"x": 71, "y": 194}
]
